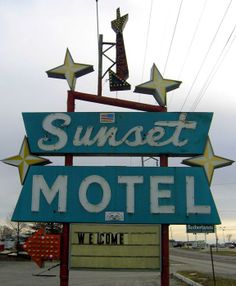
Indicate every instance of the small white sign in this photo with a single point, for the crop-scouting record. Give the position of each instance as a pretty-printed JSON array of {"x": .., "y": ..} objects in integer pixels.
[{"x": 114, "y": 216}]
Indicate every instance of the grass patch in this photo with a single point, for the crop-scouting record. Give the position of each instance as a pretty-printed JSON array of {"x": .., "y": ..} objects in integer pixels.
[
  {"x": 220, "y": 252},
  {"x": 206, "y": 279},
  {"x": 224, "y": 253}
]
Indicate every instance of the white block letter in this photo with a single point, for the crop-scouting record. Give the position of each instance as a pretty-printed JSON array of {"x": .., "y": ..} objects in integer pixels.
[
  {"x": 156, "y": 194},
  {"x": 106, "y": 196},
  {"x": 59, "y": 186},
  {"x": 130, "y": 181},
  {"x": 191, "y": 207}
]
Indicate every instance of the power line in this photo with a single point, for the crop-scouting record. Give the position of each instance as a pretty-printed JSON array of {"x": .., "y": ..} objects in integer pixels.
[
  {"x": 206, "y": 55},
  {"x": 208, "y": 82},
  {"x": 173, "y": 35},
  {"x": 223, "y": 184},
  {"x": 147, "y": 37},
  {"x": 214, "y": 70},
  {"x": 190, "y": 45}
]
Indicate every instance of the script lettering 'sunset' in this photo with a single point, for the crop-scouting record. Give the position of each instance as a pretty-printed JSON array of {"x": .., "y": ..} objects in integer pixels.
[{"x": 135, "y": 136}]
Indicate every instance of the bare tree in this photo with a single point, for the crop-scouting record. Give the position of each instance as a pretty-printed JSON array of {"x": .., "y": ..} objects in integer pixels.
[
  {"x": 229, "y": 236},
  {"x": 16, "y": 228},
  {"x": 5, "y": 232},
  {"x": 51, "y": 227}
]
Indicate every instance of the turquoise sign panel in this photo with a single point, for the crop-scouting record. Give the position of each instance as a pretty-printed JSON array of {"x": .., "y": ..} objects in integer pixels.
[
  {"x": 131, "y": 195},
  {"x": 117, "y": 133}
]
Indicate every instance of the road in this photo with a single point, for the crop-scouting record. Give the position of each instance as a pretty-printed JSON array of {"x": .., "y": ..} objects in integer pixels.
[{"x": 199, "y": 261}]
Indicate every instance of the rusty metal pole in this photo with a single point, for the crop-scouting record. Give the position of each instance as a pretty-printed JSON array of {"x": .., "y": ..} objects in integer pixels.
[
  {"x": 65, "y": 236},
  {"x": 164, "y": 241},
  {"x": 64, "y": 265},
  {"x": 116, "y": 102},
  {"x": 100, "y": 47}
]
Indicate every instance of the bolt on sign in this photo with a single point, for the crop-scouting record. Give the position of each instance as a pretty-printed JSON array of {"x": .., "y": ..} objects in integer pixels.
[
  {"x": 132, "y": 195},
  {"x": 117, "y": 133},
  {"x": 115, "y": 246}
]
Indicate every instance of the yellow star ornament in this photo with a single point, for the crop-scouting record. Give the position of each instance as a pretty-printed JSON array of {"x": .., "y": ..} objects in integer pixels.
[
  {"x": 70, "y": 70},
  {"x": 157, "y": 86},
  {"x": 24, "y": 160},
  {"x": 208, "y": 161}
]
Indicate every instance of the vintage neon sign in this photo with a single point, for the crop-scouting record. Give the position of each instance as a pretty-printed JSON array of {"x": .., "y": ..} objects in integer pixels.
[
  {"x": 116, "y": 195},
  {"x": 117, "y": 133}
]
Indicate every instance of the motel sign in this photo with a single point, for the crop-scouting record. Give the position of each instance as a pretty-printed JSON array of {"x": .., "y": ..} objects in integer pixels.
[
  {"x": 126, "y": 195},
  {"x": 117, "y": 133}
]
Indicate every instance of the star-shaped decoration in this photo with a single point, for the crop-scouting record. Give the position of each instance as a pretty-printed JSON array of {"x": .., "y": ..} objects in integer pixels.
[
  {"x": 157, "y": 86},
  {"x": 24, "y": 160},
  {"x": 208, "y": 161},
  {"x": 70, "y": 70}
]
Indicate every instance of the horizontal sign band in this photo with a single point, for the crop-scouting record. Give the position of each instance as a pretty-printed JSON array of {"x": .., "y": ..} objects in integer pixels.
[
  {"x": 117, "y": 133},
  {"x": 116, "y": 195}
]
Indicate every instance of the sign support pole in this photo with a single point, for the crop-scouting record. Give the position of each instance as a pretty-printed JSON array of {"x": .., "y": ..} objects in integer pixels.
[
  {"x": 64, "y": 266},
  {"x": 164, "y": 240},
  {"x": 100, "y": 44}
]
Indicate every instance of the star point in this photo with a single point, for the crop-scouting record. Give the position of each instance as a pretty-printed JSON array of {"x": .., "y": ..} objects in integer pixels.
[
  {"x": 70, "y": 70},
  {"x": 24, "y": 160},
  {"x": 157, "y": 86},
  {"x": 209, "y": 161}
]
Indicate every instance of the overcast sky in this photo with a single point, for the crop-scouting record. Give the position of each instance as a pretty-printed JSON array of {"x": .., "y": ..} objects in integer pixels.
[{"x": 201, "y": 53}]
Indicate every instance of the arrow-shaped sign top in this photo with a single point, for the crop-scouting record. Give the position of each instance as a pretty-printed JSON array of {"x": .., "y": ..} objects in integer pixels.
[
  {"x": 118, "y": 79},
  {"x": 41, "y": 246}
]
